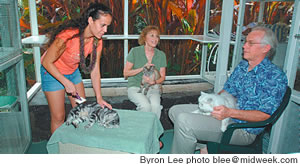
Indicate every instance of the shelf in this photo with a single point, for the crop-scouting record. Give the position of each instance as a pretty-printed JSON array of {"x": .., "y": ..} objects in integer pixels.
[
  {"x": 119, "y": 37},
  {"x": 8, "y": 52},
  {"x": 7, "y": 103},
  {"x": 204, "y": 39},
  {"x": 198, "y": 38},
  {"x": 4, "y": 64},
  {"x": 40, "y": 39}
]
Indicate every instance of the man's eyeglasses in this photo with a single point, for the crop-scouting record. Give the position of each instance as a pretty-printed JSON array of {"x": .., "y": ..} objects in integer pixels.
[{"x": 252, "y": 43}]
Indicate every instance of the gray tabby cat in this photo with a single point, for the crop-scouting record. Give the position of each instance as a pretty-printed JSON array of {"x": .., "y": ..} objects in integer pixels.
[
  {"x": 95, "y": 114},
  {"x": 152, "y": 73},
  {"x": 107, "y": 118},
  {"x": 208, "y": 101}
]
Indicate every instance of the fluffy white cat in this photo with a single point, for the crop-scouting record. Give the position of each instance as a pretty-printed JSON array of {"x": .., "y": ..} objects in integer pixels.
[{"x": 207, "y": 101}]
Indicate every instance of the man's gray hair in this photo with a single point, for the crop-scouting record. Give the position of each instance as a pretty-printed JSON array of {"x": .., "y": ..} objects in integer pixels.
[{"x": 268, "y": 38}]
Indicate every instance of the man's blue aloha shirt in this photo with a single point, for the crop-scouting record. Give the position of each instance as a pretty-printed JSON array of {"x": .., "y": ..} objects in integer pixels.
[{"x": 261, "y": 89}]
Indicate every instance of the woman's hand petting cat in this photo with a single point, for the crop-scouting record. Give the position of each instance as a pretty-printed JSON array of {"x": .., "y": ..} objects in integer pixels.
[
  {"x": 103, "y": 104},
  {"x": 148, "y": 65},
  {"x": 220, "y": 112}
]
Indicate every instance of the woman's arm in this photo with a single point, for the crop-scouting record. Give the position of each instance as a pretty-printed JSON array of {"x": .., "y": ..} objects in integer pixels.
[
  {"x": 128, "y": 71},
  {"x": 53, "y": 53},
  {"x": 96, "y": 82},
  {"x": 162, "y": 78}
]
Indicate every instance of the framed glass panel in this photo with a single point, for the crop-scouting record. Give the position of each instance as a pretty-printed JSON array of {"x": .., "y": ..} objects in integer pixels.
[
  {"x": 14, "y": 118},
  {"x": 112, "y": 59},
  {"x": 9, "y": 32},
  {"x": 29, "y": 66},
  {"x": 9, "y": 92},
  {"x": 183, "y": 56},
  {"x": 172, "y": 17}
]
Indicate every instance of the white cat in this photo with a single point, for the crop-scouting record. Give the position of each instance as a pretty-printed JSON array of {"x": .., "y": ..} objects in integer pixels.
[{"x": 207, "y": 101}]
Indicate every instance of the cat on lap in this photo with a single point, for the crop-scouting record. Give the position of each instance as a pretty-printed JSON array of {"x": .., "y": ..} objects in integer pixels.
[{"x": 207, "y": 101}]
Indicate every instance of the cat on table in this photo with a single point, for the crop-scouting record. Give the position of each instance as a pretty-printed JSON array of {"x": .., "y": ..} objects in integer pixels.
[{"x": 94, "y": 114}]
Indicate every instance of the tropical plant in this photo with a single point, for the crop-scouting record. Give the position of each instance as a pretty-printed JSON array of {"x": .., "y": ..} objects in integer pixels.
[
  {"x": 181, "y": 17},
  {"x": 29, "y": 67},
  {"x": 173, "y": 17},
  {"x": 52, "y": 13}
]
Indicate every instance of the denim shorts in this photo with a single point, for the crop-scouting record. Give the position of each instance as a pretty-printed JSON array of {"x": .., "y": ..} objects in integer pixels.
[{"x": 49, "y": 83}]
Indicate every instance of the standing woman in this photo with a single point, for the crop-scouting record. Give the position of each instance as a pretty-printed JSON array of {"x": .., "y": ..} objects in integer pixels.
[
  {"x": 145, "y": 55},
  {"x": 70, "y": 45}
]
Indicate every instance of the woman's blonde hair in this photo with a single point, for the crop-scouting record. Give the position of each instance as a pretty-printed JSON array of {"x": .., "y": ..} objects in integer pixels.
[{"x": 145, "y": 31}]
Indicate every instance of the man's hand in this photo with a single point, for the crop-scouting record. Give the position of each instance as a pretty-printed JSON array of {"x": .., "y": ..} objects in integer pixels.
[{"x": 220, "y": 112}]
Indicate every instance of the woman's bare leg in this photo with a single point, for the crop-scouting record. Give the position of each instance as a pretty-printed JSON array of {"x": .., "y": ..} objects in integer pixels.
[
  {"x": 80, "y": 90},
  {"x": 56, "y": 102}
]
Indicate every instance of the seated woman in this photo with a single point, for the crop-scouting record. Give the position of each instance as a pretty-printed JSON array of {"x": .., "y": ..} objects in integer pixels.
[{"x": 142, "y": 56}]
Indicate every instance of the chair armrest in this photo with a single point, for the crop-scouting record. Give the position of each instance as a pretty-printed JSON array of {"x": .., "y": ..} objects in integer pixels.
[
  {"x": 261, "y": 124},
  {"x": 232, "y": 127}
]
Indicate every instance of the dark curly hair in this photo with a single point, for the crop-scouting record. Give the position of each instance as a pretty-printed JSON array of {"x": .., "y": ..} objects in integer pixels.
[{"x": 95, "y": 10}]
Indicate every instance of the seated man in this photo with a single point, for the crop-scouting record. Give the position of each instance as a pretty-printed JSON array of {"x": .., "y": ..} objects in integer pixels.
[{"x": 256, "y": 83}]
